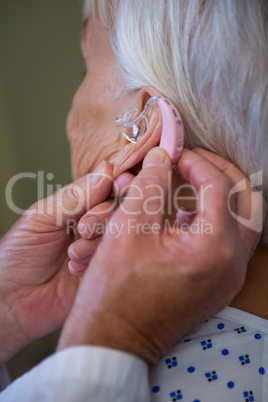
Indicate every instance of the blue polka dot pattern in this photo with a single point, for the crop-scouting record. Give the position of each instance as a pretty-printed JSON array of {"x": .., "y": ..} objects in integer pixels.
[
  {"x": 257, "y": 336},
  {"x": 262, "y": 370},
  {"x": 191, "y": 369},
  {"x": 224, "y": 358}
]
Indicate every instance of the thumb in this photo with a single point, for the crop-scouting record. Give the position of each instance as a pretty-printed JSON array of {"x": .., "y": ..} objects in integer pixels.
[
  {"x": 73, "y": 200},
  {"x": 147, "y": 192}
]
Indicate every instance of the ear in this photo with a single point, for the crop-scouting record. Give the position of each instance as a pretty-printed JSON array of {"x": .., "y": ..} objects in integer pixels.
[{"x": 132, "y": 154}]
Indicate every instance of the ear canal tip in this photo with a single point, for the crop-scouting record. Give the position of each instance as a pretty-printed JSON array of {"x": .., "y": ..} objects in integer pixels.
[
  {"x": 126, "y": 116},
  {"x": 133, "y": 125}
]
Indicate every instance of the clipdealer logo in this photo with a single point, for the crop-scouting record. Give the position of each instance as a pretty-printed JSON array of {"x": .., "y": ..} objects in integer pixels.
[
  {"x": 173, "y": 200},
  {"x": 255, "y": 221}
]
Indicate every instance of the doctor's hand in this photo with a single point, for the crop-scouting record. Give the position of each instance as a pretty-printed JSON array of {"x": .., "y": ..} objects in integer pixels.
[
  {"x": 93, "y": 225},
  {"x": 146, "y": 285},
  {"x": 36, "y": 289}
]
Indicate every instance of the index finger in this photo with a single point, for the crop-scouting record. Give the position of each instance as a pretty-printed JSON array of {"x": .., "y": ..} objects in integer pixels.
[
  {"x": 212, "y": 185},
  {"x": 250, "y": 205},
  {"x": 73, "y": 200}
]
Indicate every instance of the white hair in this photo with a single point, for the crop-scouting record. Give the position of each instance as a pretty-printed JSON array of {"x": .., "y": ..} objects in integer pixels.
[{"x": 210, "y": 58}]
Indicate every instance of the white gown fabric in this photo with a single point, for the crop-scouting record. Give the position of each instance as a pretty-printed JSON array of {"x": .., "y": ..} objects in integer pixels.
[{"x": 224, "y": 359}]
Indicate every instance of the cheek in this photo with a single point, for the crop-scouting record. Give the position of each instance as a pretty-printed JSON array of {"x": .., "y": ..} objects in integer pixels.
[
  {"x": 90, "y": 128},
  {"x": 80, "y": 131},
  {"x": 92, "y": 136},
  {"x": 88, "y": 152},
  {"x": 77, "y": 114}
]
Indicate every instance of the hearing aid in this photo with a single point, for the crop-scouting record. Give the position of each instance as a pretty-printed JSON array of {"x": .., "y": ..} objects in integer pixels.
[{"x": 133, "y": 126}]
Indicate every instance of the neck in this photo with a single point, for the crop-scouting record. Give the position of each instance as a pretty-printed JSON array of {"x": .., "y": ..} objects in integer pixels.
[{"x": 253, "y": 297}]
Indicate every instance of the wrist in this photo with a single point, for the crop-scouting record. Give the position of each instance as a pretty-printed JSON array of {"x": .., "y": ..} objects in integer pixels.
[
  {"x": 109, "y": 331},
  {"x": 11, "y": 337}
]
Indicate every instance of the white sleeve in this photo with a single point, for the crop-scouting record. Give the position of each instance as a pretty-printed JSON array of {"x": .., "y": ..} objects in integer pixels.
[
  {"x": 4, "y": 378},
  {"x": 83, "y": 374}
]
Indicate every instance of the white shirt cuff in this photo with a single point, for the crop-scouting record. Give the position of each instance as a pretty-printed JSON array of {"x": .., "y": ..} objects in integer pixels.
[{"x": 83, "y": 374}]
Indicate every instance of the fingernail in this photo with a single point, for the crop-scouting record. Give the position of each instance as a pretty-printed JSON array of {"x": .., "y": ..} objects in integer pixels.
[
  {"x": 91, "y": 227},
  {"x": 97, "y": 175},
  {"x": 78, "y": 269},
  {"x": 156, "y": 157},
  {"x": 80, "y": 250},
  {"x": 82, "y": 229}
]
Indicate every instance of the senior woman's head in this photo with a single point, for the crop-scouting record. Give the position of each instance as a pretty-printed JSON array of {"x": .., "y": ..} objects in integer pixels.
[{"x": 209, "y": 57}]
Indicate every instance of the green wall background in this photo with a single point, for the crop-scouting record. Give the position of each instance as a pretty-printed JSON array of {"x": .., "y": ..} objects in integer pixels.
[{"x": 40, "y": 69}]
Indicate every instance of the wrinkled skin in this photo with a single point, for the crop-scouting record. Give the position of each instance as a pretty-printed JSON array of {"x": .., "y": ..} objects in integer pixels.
[
  {"x": 40, "y": 288},
  {"x": 36, "y": 246},
  {"x": 37, "y": 291},
  {"x": 99, "y": 100},
  {"x": 96, "y": 104},
  {"x": 159, "y": 284},
  {"x": 101, "y": 96},
  {"x": 90, "y": 129}
]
